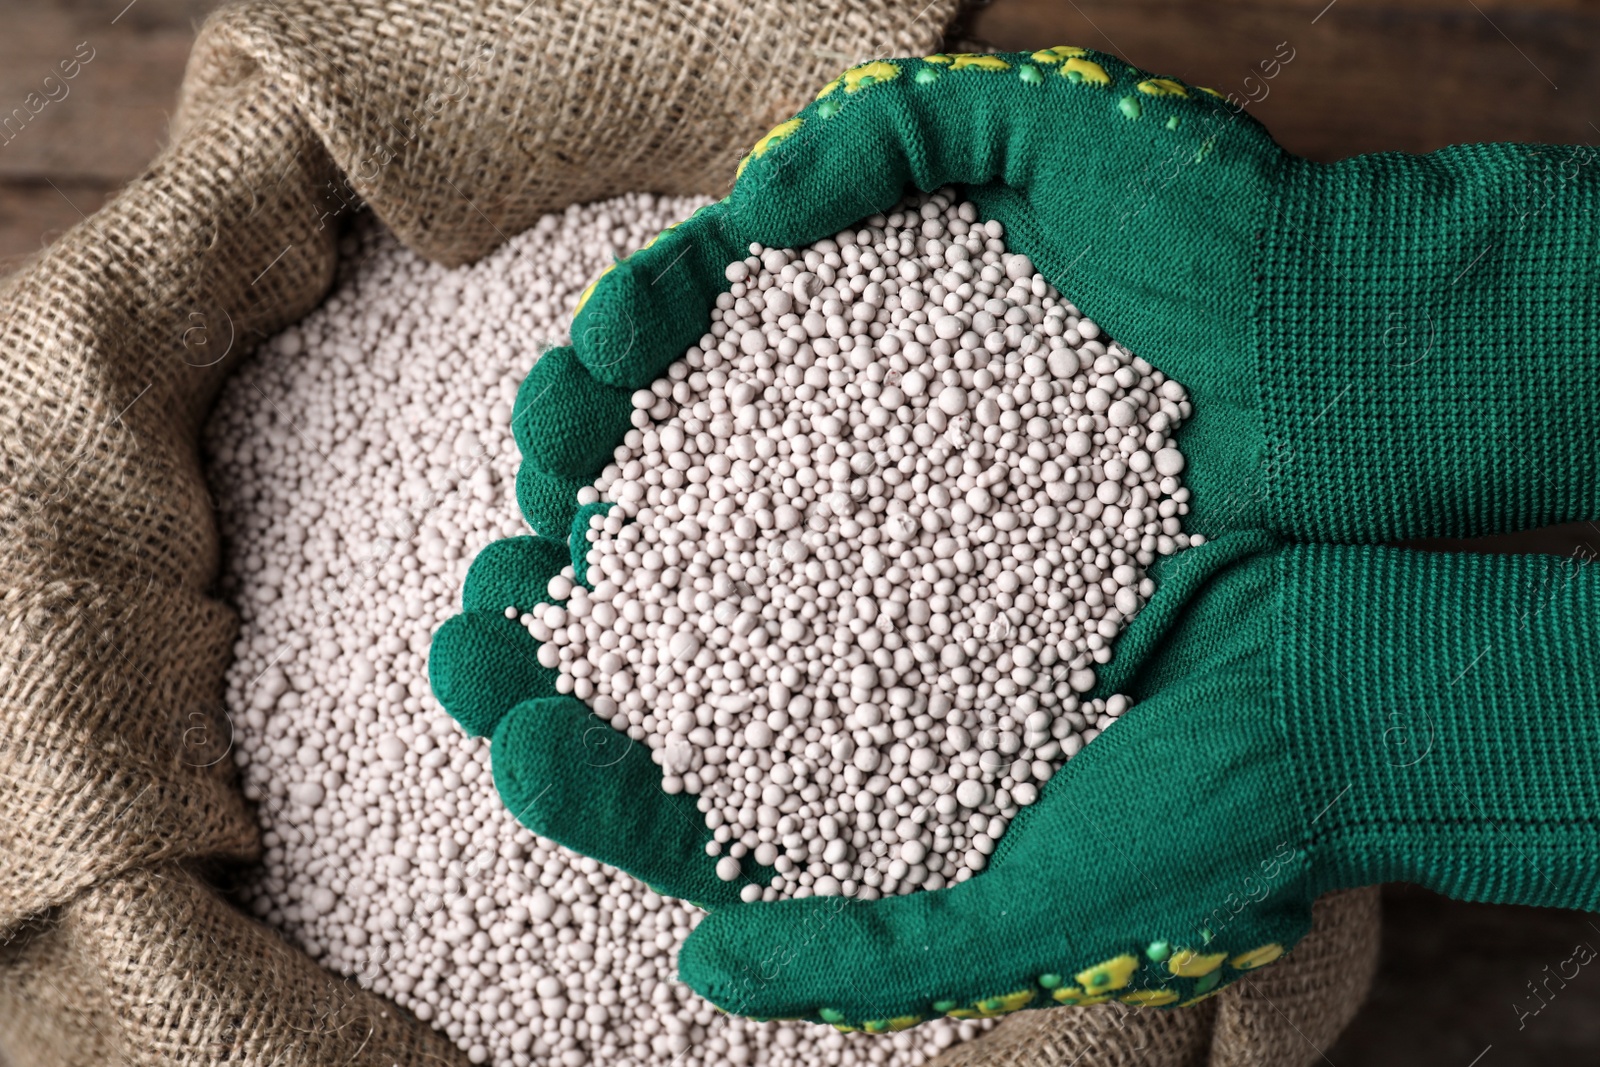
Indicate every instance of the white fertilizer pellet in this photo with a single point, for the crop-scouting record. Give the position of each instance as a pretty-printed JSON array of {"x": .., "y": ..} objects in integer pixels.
[
  {"x": 870, "y": 539},
  {"x": 361, "y": 459}
]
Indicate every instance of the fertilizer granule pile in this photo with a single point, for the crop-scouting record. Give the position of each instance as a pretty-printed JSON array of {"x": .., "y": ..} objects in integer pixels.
[
  {"x": 364, "y": 456},
  {"x": 869, "y": 540}
]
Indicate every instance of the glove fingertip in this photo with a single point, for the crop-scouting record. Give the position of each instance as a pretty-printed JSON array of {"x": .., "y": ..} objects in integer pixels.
[
  {"x": 567, "y": 422},
  {"x": 480, "y": 665},
  {"x": 517, "y": 769},
  {"x": 656, "y": 303},
  {"x": 818, "y": 167},
  {"x": 571, "y": 777},
  {"x": 702, "y": 966},
  {"x": 527, "y": 393},
  {"x": 548, "y": 501},
  {"x": 578, "y": 540},
  {"x": 513, "y": 572},
  {"x": 748, "y": 961}
]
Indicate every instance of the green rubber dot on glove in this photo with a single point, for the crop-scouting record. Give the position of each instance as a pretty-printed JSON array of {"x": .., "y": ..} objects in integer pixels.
[{"x": 1007, "y": 1004}]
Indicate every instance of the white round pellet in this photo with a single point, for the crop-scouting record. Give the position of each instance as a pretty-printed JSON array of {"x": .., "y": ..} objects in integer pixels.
[
  {"x": 683, "y": 645},
  {"x": 1019, "y": 267},
  {"x": 952, "y": 400}
]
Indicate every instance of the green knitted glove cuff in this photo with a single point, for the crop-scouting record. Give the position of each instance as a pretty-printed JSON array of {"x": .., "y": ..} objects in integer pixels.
[{"x": 1443, "y": 713}]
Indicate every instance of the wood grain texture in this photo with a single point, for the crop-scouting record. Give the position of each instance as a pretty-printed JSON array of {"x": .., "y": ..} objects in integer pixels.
[
  {"x": 83, "y": 97},
  {"x": 70, "y": 135},
  {"x": 1463, "y": 981},
  {"x": 1366, "y": 76}
]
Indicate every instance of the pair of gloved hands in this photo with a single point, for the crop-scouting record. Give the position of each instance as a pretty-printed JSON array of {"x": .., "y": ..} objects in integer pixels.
[{"x": 1384, "y": 348}]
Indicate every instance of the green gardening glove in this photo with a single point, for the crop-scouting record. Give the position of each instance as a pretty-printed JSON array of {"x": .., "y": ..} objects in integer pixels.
[{"x": 1385, "y": 348}]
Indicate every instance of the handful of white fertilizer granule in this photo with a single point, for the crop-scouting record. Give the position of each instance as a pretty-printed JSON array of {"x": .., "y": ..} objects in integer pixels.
[
  {"x": 869, "y": 540},
  {"x": 360, "y": 460}
]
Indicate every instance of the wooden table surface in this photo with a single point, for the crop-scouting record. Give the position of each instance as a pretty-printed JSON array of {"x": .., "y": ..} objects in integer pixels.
[{"x": 1362, "y": 75}]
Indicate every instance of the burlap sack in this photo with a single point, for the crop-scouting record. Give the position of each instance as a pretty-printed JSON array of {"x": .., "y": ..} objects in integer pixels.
[{"x": 460, "y": 124}]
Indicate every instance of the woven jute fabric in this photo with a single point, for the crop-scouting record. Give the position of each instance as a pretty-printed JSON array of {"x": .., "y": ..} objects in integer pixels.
[
  {"x": 1290, "y": 1013},
  {"x": 155, "y": 966},
  {"x": 464, "y": 123},
  {"x": 459, "y": 124}
]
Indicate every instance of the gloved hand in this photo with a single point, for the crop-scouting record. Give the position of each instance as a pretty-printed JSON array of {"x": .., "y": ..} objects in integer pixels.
[{"x": 1384, "y": 348}]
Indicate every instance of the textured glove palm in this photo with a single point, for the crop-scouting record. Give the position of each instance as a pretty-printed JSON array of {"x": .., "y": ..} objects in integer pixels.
[{"x": 1389, "y": 347}]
